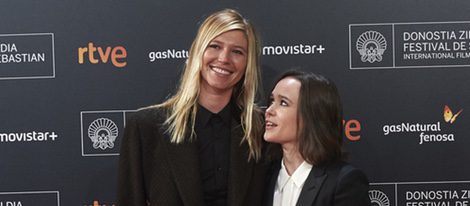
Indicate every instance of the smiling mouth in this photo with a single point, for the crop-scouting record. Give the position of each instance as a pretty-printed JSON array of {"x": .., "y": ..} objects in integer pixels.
[
  {"x": 221, "y": 71},
  {"x": 270, "y": 124}
]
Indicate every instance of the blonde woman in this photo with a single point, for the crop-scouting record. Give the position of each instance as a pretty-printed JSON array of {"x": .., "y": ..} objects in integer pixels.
[{"x": 203, "y": 145}]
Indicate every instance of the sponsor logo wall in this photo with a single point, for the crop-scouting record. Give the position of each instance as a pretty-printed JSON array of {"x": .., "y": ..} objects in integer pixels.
[
  {"x": 411, "y": 45},
  {"x": 70, "y": 77},
  {"x": 27, "y": 56}
]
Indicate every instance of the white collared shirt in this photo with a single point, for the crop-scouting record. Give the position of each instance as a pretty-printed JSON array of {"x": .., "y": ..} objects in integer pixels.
[{"x": 288, "y": 188}]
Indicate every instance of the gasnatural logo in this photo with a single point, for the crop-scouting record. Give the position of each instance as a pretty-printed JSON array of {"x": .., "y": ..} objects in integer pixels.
[
  {"x": 379, "y": 198},
  {"x": 103, "y": 133},
  {"x": 371, "y": 45},
  {"x": 168, "y": 54},
  {"x": 428, "y": 132}
]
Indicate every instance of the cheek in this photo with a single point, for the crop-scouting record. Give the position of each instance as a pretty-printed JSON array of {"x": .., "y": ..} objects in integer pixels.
[
  {"x": 239, "y": 74},
  {"x": 207, "y": 56},
  {"x": 240, "y": 63},
  {"x": 292, "y": 126}
]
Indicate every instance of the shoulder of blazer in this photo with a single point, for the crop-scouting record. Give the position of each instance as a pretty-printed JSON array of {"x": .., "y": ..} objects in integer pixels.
[
  {"x": 343, "y": 169},
  {"x": 146, "y": 126},
  {"x": 346, "y": 169},
  {"x": 341, "y": 172},
  {"x": 331, "y": 173},
  {"x": 148, "y": 117}
]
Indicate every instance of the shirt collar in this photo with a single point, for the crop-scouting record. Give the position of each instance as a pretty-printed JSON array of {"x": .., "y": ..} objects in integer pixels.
[
  {"x": 203, "y": 115},
  {"x": 298, "y": 177}
]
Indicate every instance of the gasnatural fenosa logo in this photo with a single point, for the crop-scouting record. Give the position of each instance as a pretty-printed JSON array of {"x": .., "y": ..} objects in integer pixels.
[{"x": 428, "y": 132}]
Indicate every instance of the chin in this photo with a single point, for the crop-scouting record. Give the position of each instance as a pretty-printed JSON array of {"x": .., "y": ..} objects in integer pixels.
[{"x": 270, "y": 139}]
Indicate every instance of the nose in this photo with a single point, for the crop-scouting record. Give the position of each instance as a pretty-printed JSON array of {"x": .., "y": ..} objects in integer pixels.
[
  {"x": 270, "y": 111},
  {"x": 224, "y": 55}
]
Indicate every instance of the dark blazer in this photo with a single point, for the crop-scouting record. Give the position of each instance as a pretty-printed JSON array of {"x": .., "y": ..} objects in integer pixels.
[
  {"x": 337, "y": 184},
  {"x": 156, "y": 172}
]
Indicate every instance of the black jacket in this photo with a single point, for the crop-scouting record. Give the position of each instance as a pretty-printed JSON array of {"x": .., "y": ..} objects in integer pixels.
[
  {"x": 154, "y": 171},
  {"x": 336, "y": 184}
]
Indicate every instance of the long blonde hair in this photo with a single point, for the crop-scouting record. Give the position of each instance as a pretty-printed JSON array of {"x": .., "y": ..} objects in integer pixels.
[{"x": 183, "y": 105}]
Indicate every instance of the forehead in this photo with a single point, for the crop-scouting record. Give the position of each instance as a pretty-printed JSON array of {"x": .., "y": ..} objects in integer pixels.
[
  {"x": 288, "y": 87},
  {"x": 233, "y": 37}
]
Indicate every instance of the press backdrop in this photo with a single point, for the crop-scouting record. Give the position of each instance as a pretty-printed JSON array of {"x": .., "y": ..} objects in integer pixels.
[{"x": 71, "y": 71}]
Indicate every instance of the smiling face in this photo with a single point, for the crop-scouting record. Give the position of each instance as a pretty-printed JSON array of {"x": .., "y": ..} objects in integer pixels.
[
  {"x": 282, "y": 114},
  {"x": 224, "y": 62}
]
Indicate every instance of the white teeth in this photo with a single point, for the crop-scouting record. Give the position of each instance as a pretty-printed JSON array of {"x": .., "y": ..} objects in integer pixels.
[
  {"x": 270, "y": 124},
  {"x": 221, "y": 71}
]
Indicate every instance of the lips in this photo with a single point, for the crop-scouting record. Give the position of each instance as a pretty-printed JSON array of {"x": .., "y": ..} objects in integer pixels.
[
  {"x": 220, "y": 70},
  {"x": 270, "y": 124}
]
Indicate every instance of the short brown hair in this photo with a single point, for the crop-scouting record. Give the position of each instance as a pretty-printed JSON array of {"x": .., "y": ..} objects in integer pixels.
[{"x": 320, "y": 109}]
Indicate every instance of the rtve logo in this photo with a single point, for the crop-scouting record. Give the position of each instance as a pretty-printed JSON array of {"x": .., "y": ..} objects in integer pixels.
[
  {"x": 96, "y": 55},
  {"x": 352, "y": 129}
]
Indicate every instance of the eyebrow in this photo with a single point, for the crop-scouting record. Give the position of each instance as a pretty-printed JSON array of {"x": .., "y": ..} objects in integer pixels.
[
  {"x": 282, "y": 97},
  {"x": 234, "y": 45}
]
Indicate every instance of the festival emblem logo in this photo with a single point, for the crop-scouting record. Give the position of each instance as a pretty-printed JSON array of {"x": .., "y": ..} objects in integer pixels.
[
  {"x": 378, "y": 198},
  {"x": 371, "y": 45},
  {"x": 103, "y": 132}
]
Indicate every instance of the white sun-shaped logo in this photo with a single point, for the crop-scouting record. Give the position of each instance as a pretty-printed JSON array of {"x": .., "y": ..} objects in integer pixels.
[
  {"x": 378, "y": 198},
  {"x": 103, "y": 133},
  {"x": 371, "y": 45}
]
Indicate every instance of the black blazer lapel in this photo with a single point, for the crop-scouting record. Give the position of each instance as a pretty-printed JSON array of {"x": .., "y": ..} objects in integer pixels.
[
  {"x": 311, "y": 186},
  {"x": 240, "y": 169},
  {"x": 184, "y": 162},
  {"x": 271, "y": 184}
]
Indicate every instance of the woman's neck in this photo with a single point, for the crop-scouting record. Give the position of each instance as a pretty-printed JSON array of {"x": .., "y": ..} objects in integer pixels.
[
  {"x": 291, "y": 158},
  {"x": 214, "y": 102}
]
